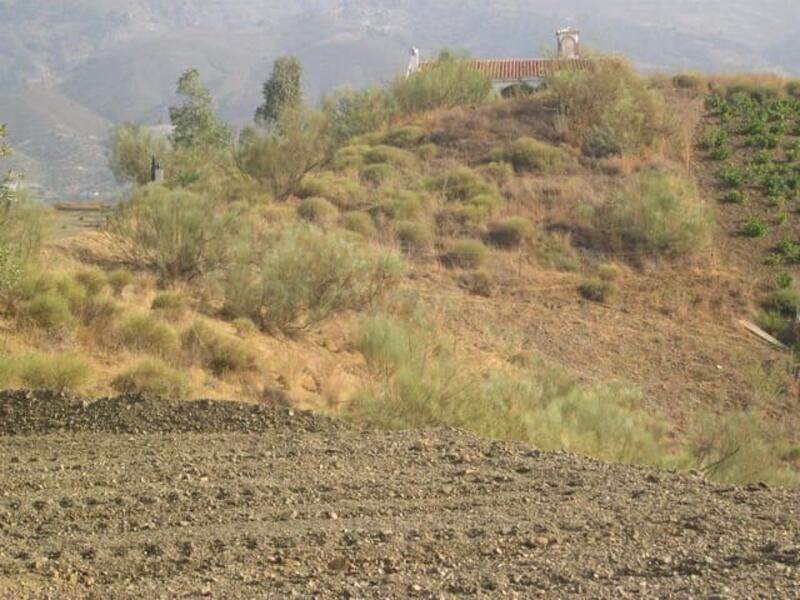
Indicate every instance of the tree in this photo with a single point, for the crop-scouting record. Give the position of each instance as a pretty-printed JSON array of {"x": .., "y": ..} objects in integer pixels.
[
  {"x": 281, "y": 91},
  {"x": 195, "y": 121},
  {"x": 281, "y": 158},
  {"x": 132, "y": 149},
  {"x": 356, "y": 112},
  {"x": 6, "y": 194}
]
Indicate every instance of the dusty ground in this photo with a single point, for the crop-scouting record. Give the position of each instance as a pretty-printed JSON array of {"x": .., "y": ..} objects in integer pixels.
[{"x": 135, "y": 499}]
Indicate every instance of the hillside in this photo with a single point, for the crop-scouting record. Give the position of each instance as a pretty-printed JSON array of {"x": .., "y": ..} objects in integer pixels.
[
  {"x": 120, "y": 60},
  {"x": 263, "y": 501}
]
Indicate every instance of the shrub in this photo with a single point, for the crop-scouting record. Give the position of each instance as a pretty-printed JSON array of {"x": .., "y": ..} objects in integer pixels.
[
  {"x": 450, "y": 82},
  {"x": 510, "y": 233},
  {"x": 404, "y": 204},
  {"x": 350, "y": 157},
  {"x": 355, "y": 113},
  {"x": 119, "y": 280},
  {"x": 408, "y": 136},
  {"x": 609, "y": 271},
  {"x": 142, "y": 333},
  {"x": 217, "y": 351},
  {"x": 390, "y": 155},
  {"x": 279, "y": 159},
  {"x": 132, "y": 148},
  {"x": 359, "y": 222},
  {"x": 472, "y": 198},
  {"x": 500, "y": 172},
  {"x": 609, "y": 109},
  {"x": 317, "y": 210},
  {"x": 152, "y": 377},
  {"x": 303, "y": 276},
  {"x": 344, "y": 192},
  {"x": 178, "y": 234},
  {"x": 47, "y": 311},
  {"x": 735, "y": 197},
  {"x": 690, "y": 81},
  {"x": 428, "y": 151},
  {"x": 530, "y": 155},
  {"x": 656, "y": 213},
  {"x": 732, "y": 177},
  {"x": 785, "y": 301},
  {"x": 754, "y": 227},
  {"x": 377, "y": 174},
  {"x": 556, "y": 252},
  {"x": 171, "y": 305},
  {"x": 793, "y": 88},
  {"x": 477, "y": 283},
  {"x": 598, "y": 289},
  {"x": 94, "y": 281},
  {"x": 415, "y": 238},
  {"x": 741, "y": 447},
  {"x": 424, "y": 386},
  {"x": 57, "y": 373},
  {"x": 467, "y": 254},
  {"x": 23, "y": 225}
]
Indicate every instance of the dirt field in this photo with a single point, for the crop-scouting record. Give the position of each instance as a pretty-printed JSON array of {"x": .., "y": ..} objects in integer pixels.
[{"x": 142, "y": 499}]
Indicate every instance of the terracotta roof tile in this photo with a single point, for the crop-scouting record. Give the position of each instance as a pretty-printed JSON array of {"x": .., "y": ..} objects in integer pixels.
[{"x": 512, "y": 69}]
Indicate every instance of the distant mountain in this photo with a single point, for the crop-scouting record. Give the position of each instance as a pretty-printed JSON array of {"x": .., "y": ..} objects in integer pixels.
[{"x": 69, "y": 69}]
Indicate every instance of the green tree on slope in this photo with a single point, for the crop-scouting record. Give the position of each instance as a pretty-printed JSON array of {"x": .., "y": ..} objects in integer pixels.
[
  {"x": 282, "y": 90},
  {"x": 195, "y": 121}
]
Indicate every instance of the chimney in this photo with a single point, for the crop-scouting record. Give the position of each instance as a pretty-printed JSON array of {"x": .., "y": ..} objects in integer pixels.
[
  {"x": 413, "y": 65},
  {"x": 569, "y": 42}
]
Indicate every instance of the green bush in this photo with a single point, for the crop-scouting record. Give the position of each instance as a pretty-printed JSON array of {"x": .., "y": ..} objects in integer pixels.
[
  {"x": 478, "y": 283},
  {"x": 422, "y": 385},
  {"x": 467, "y": 254},
  {"x": 359, "y": 222},
  {"x": 178, "y": 234},
  {"x": 152, "y": 377},
  {"x": 58, "y": 373},
  {"x": 608, "y": 109},
  {"x": 390, "y": 155},
  {"x": 530, "y": 155},
  {"x": 471, "y": 197},
  {"x": 556, "y": 252},
  {"x": 785, "y": 301},
  {"x": 742, "y": 447},
  {"x": 47, "y": 311},
  {"x": 415, "y": 238},
  {"x": 408, "y": 136},
  {"x": 142, "y": 333},
  {"x": 732, "y": 177},
  {"x": 511, "y": 232},
  {"x": 23, "y": 226},
  {"x": 94, "y": 281},
  {"x": 119, "y": 280},
  {"x": 499, "y": 172},
  {"x": 598, "y": 289},
  {"x": 345, "y": 192},
  {"x": 656, "y": 213},
  {"x": 217, "y": 351},
  {"x": 793, "y": 88},
  {"x": 428, "y": 151},
  {"x": 735, "y": 197},
  {"x": 318, "y": 211},
  {"x": 353, "y": 113},
  {"x": 350, "y": 157},
  {"x": 404, "y": 205},
  {"x": 171, "y": 305},
  {"x": 451, "y": 81},
  {"x": 303, "y": 276},
  {"x": 754, "y": 227},
  {"x": 377, "y": 174}
]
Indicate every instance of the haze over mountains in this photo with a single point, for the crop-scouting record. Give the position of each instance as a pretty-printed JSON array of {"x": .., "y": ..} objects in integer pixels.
[{"x": 70, "y": 69}]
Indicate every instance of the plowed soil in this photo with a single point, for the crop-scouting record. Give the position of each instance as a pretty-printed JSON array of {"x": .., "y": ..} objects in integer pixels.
[{"x": 132, "y": 498}]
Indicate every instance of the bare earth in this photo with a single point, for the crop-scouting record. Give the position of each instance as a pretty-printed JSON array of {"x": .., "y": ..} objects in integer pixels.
[{"x": 130, "y": 498}]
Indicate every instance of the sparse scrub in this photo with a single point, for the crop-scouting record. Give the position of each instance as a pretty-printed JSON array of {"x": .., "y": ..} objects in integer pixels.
[
  {"x": 656, "y": 213},
  {"x": 152, "y": 377},
  {"x": 318, "y": 211},
  {"x": 171, "y": 305},
  {"x": 530, "y": 155},
  {"x": 498, "y": 171},
  {"x": 754, "y": 227},
  {"x": 556, "y": 252},
  {"x": 178, "y": 234},
  {"x": 94, "y": 281},
  {"x": 359, "y": 222},
  {"x": 217, "y": 351},
  {"x": 145, "y": 334},
  {"x": 510, "y": 233},
  {"x": 476, "y": 282},
  {"x": 467, "y": 254},
  {"x": 471, "y": 198},
  {"x": 49, "y": 312},
  {"x": 390, "y": 155},
  {"x": 415, "y": 239},
  {"x": 344, "y": 192},
  {"x": 119, "y": 280},
  {"x": 609, "y": 109},
  {"x": 377, "y": 174},
  {"x": 58, "y": 373},
  {"x": 598, "y": 289},
  {"x": 409, "y": 136},
  {"x": 451, "y": 82},
  {"x": 735, "y": 197},
  {"x": 304, "y": 276}
]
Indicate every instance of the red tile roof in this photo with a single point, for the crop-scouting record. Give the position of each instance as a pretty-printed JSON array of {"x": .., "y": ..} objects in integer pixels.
[{"x": 513, "y": 69}]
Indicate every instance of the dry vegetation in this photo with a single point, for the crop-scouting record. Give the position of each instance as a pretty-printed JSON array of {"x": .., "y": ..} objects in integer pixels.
[{"x": 546, "y": 268}]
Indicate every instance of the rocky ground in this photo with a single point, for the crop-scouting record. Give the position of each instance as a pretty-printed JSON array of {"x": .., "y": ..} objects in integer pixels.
[{"x": 130, "y": 498}]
